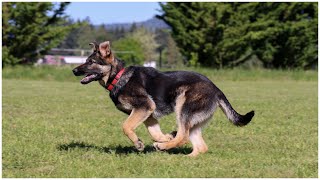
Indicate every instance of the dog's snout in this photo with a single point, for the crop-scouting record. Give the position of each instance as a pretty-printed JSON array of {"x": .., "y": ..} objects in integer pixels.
[{"x": 76, "y": 72}]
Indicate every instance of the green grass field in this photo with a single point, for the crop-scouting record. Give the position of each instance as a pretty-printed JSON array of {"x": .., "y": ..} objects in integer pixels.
[{"x": 56, "y": 128}]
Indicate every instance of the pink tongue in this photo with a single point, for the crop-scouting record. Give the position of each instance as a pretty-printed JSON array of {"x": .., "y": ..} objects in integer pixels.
[{"x": 87, "y": 78}]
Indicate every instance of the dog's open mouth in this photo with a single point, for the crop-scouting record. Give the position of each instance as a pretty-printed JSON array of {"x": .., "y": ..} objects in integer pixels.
[{"x": 90, "y": 77}]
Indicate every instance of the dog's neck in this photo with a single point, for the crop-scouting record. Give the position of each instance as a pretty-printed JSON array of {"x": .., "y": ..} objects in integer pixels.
[
  {"x": 103, "y": 82},
  {"x": 116, "y": 67}
]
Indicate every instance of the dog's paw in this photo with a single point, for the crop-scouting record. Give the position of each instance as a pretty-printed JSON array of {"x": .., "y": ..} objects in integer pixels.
[
  {"x": 139, "y": 145},
  {"x": 193, "y": 154},
  {"x": 158, "y": 146},
  {"x": 171, "y": 135},
  {"x": 155, "y": 145},
  {"x": 164, "y": 138}
]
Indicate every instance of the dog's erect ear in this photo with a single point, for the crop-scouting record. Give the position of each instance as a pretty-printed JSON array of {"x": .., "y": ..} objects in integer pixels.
[
  {"x": 94, "y": 45},
  {"x": 105, "y": 49}
]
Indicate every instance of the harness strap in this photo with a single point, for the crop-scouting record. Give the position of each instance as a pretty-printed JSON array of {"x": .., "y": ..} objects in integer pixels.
[{"x": 115, "y": 80}]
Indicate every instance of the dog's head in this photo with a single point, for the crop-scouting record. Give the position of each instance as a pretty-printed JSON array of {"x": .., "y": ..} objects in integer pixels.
[{"x": 97, "y": 65}]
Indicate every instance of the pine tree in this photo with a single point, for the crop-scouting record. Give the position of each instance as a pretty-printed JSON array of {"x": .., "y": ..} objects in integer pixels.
[
  {"x": 86, "y": 34},
  {"x": 133, "y": 27},
  {"x": 280, "y": 35},
  {"x": 29, "y": 31}
]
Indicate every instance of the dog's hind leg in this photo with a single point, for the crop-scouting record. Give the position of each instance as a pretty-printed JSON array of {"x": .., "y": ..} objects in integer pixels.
[
  {"x": 180, "y": 139},
  {"x": 155, "y": 132},
  {"x": 198, "y": 144},
  {"x": 183, "y": 129}
]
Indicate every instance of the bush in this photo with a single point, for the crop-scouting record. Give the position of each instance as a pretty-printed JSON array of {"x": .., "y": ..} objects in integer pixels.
[{"x": 136, "y": 55}]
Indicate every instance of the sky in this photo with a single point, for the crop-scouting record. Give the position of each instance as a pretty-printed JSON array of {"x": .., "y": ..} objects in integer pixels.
[{"x": 113, "y": 12}]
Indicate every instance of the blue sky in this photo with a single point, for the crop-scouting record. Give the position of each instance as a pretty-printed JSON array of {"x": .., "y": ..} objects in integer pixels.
[{"x": 113, "y": 12}]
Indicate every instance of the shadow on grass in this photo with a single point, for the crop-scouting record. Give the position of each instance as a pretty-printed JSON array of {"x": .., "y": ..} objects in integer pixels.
[{"x": 119, "y": 149}]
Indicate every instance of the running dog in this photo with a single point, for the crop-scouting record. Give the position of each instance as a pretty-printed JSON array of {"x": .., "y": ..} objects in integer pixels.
[{"x": 146, "y": 95}]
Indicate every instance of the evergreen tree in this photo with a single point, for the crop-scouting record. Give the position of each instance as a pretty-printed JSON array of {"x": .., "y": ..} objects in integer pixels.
[
  {"x": 173, "y": 56},
  {"x": 101, "y": 34},
  {"x": 31, "y": 29},
  {"x": 133, "y": 27},
  {"x": 71, "y": 40},
  {"x": 280, "y": 35},
  {"x": 86, "y": 34},
  {"x": 170, "y": 52},
  {"x": 119, "y": 32}
]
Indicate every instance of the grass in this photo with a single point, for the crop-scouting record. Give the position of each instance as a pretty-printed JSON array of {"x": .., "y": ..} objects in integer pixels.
[
  {"x": 64, "y": 73},
  {"x": 48, "y": 73},
  {"x": 52, "y": 128}
]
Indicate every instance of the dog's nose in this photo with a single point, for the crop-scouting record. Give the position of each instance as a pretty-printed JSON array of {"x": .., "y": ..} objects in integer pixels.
[{"x": 75, "y": 71}]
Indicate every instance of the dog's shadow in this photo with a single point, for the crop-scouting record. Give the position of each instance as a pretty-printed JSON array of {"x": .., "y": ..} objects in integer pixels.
[{"x": 119, "y": 150}]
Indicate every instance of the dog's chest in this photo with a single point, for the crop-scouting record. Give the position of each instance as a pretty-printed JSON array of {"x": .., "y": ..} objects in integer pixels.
[
  {"x": 160, "y": 111},
  {"x": 124, "y": 107}
]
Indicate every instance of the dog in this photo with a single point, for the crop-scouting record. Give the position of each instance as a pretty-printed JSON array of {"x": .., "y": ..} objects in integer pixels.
[{"x": 146, "y": 95}]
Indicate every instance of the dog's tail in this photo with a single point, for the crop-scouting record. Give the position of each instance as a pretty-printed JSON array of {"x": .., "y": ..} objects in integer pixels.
[{"x": 236, "y": 118}]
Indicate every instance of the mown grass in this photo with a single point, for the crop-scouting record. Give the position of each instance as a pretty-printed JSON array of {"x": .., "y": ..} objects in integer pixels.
[
  {"x": 64, "y": 73},
  {"x": 52, "y": 128},
  {"x": 48, "y": 73}
]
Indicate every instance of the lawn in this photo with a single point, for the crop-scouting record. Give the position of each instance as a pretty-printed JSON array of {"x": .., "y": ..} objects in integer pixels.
[{"x": 53, "y": 128}]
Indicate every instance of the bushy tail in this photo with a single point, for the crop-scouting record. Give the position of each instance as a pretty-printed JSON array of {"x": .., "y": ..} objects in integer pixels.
[{"x": 232, "y": 115}]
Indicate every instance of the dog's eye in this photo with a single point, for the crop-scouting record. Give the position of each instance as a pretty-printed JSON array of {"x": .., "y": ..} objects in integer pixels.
[{"x": 92, "y": 61}]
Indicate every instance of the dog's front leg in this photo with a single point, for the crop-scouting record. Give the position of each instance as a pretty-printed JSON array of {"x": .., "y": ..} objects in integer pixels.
[{"x": 136, "y": 117}]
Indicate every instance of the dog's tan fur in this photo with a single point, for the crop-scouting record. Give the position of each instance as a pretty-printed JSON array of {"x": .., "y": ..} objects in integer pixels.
[{"x": 147, "y": 94}]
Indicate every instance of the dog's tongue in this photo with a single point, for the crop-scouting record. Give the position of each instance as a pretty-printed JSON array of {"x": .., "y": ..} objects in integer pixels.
[{"x": 87, "y": 79}]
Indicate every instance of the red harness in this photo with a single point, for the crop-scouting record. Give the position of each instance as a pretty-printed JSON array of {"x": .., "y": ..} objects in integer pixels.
[{"x": 115, "y": 80}]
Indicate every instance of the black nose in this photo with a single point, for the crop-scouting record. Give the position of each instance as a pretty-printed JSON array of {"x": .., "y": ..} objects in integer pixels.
[{"x": 75, "y": 71}]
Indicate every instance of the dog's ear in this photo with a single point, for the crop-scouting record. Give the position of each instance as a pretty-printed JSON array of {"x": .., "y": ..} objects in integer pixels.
[
  {"x": 94, "y": 45},
  {"x": 105, "y": 50}
]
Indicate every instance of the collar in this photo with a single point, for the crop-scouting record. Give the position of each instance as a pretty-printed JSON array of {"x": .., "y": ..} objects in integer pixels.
[{"x": 115, "y": 80}]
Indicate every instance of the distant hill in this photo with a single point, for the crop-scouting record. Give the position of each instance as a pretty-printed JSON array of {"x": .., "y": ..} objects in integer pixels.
[{"x": 150, "y": 24}]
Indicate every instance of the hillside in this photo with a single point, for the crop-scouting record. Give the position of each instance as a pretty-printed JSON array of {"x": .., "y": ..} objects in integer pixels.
[{"x": 150, "y": 24}]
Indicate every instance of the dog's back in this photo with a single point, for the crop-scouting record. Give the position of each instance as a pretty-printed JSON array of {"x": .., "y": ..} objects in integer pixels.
[
  {"x": 201, "y": 95},
  {"x": 147, "y": 95}
]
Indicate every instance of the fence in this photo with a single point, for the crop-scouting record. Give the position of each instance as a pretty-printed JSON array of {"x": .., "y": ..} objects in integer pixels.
[{"x": 59, "y": 57}]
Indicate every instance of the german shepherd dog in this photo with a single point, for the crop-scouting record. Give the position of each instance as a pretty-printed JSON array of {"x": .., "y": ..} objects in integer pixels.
[{"x": 146, "y": 95}]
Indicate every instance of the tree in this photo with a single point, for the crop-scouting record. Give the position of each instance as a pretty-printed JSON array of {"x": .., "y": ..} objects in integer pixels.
[
  {"x": 147, "y": 41},
  {"x": 133, "y": 27},
  {"x": 31, "y": 29},
  {"x": 190, "y": 23},
  {"x": 71, "y": 39},
  {"x": 86, "y": 34},
  {"x": 101, "y": 34},
  {"x": 281, "y": 35},
  {"x": 141, "y": 44},
  {"x": 134, "y": 52},
  {"x": 170, "y": 52},
  {"x": 118, "y": 33}
]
